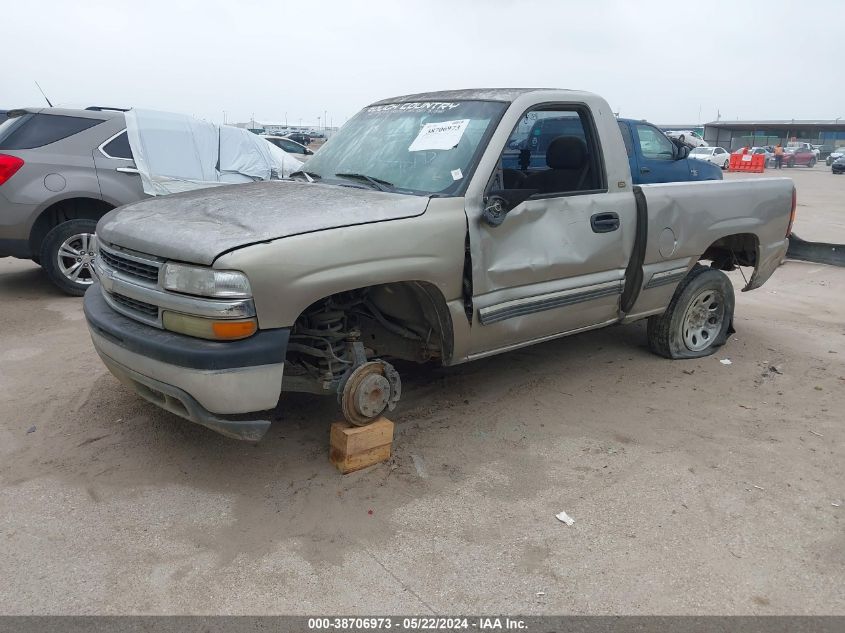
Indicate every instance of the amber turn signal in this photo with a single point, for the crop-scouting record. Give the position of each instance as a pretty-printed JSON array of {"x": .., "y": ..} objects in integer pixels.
[
  {"x": 234, "y": 329},
  {"x": 223, "y": 330}
]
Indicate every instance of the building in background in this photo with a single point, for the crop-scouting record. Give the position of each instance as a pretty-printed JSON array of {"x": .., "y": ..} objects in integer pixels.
[
  {"x": 735, "y": 134},
  {"x": 281, "y": 129}
]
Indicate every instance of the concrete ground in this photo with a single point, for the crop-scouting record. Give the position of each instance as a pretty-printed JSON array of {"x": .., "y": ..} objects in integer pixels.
[{"x": 696, "y": 486}]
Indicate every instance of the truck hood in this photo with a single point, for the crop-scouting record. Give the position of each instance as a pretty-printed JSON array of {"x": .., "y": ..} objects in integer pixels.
[{"x": 199, "y": 226}]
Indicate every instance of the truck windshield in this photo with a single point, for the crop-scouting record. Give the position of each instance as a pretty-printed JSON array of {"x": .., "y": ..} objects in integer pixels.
[{"x": 418, "y": 148}]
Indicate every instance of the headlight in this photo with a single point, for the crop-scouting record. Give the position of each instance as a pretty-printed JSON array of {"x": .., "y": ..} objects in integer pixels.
[{"x": 205, "y": 282}]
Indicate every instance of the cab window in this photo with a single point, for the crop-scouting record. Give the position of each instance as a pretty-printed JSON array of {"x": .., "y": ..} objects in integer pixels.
[
  {"x": 553, "y": 150},
  {"x": 654, "y": 144}
]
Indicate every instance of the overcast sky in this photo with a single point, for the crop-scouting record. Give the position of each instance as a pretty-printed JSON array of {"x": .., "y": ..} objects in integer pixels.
[{"x": 665, "y": 61}]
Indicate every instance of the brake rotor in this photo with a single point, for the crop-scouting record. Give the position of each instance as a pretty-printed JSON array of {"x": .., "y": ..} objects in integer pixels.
[{"x": 370, "y": 390}]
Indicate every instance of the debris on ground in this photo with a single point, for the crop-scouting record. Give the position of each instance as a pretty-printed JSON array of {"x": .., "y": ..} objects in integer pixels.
[
  {"x": 30, "y": 430},
  {"x": 689, "y": 372},
  {"x": 419, "y": 464},
  {"x": 564, "y": 518},
  {"x": 814, "y": 433},
  {"x": 726, "y": 361},
  {"x": 775, "y": 369}
]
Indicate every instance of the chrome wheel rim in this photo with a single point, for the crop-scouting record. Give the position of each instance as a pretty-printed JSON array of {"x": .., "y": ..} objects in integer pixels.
[
  {"x": 703, "y": 320},
  {"x": 76, "y": 257}
]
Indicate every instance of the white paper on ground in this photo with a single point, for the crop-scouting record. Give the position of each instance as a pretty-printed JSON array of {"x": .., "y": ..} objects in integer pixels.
[
  {"x": 725, "y": 361},
  {"x": 441, "y": 135},
  {"x": 564, "y": 518}
]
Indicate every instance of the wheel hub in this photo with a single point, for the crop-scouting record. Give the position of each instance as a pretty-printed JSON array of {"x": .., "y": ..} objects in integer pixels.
[
  {"x": 76, "y": 257},
  {"x": 703, "y": 320},
  {"x": 368, "y": 391}
]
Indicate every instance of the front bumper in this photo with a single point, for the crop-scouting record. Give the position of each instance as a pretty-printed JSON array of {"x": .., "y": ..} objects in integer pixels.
[{"x": 199, "y": 380}]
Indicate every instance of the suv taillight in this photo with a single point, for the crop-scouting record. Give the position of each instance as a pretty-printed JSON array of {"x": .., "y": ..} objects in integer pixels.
[{"x": 9, "y": 165}]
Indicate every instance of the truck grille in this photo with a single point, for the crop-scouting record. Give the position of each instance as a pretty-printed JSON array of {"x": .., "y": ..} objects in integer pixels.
[
  {"x": 131, "y": 267},
  {"x": 147, "y": 309}
]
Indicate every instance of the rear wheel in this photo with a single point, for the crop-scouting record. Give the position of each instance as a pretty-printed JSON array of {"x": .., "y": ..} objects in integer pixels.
[
  {"x": 67, "y": 254},
  {"x": 698, "y": 319},
  {"x": 812, "y": 163}
]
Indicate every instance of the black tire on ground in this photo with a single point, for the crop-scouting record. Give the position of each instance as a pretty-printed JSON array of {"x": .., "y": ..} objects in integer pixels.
[
  {"x": 812, "y": 163},
  {"x": 665, "y": 331},
  {"x": 50, "y": 255}
]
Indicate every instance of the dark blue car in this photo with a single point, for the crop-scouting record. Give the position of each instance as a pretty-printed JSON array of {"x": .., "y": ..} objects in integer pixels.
[{"x": 652, "y": 156}]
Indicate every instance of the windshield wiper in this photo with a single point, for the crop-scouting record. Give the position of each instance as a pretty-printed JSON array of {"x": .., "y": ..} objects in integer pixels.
[
  {"x": 377, "y": 183},
  {"x": 309, "y": 176}
]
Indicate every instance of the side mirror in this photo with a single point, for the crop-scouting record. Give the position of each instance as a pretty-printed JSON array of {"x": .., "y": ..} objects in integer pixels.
[
  {"x": 308, "y": 152},
  {"x": 683, "y": 152},
  {"x": 499, "y": 202}
]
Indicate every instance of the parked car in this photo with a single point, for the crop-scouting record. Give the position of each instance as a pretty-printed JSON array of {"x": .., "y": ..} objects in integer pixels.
[
  {"x": 716, "y": 155},
  {"x": 806, "y": 147},
  {"x": 688, "y": 137},
  {"x": 793, "y": 156},
  {"x": 835, "y": 155},
  {"x": 654, "y": 158},
  {"x": 61, "y": 170},
  {"x": 289, "y": 146},
  {"x": 213, "y": 303},
  {"x": 298, "y": 137},
  {"x": 838, "y": 166}
]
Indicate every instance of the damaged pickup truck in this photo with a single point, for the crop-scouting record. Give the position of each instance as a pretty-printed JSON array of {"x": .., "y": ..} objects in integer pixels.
[{"x": 405, "y": 237}]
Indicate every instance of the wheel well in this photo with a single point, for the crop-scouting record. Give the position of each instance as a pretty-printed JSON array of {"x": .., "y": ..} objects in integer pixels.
[
  {"x": 62, "y": 211},
  {"x": 405, "y": 319},
  {"x": 731, "y": 251}
]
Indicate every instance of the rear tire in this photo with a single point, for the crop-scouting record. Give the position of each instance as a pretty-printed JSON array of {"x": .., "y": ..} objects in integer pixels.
[
  {"x": 699, "y": 318},
  {"x": 812, "y": 163},
  {"x": 66, "y": 255}
]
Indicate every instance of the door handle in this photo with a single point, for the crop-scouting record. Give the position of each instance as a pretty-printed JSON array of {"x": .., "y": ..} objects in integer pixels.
[
  {"x": 127, "y": 170},
  {"x": 645, "y": 170},
  {"x": 604, "y": 222}
]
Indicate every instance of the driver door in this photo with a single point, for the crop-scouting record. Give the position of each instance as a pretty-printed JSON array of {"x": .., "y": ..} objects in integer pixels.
[{"x": 556, "y": 264}]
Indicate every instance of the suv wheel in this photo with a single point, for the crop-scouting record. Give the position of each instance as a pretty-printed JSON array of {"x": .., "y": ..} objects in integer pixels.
[
  {"x": 67, "y": 254},
  {"x": 698, "y": 319}
]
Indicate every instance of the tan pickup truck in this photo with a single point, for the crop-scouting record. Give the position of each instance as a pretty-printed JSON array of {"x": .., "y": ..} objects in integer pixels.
[{"x": 439, "y": 227}]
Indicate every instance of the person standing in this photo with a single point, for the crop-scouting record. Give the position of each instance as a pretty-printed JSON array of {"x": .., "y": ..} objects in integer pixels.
[{"x": 778, "y": 156}]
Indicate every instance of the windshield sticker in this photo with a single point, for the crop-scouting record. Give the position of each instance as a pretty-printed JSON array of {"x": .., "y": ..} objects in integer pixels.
[
  {"x": 440, "y": 135},
  {"x": 457, "y": 174},
  {"x": 427, "y": 106}
]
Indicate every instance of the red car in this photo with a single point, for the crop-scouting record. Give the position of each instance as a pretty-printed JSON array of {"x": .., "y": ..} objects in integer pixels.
[{"x": 793, "y": 156}]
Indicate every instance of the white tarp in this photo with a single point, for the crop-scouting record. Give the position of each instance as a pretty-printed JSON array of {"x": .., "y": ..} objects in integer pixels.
[{"x": 176, "y": 152}]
